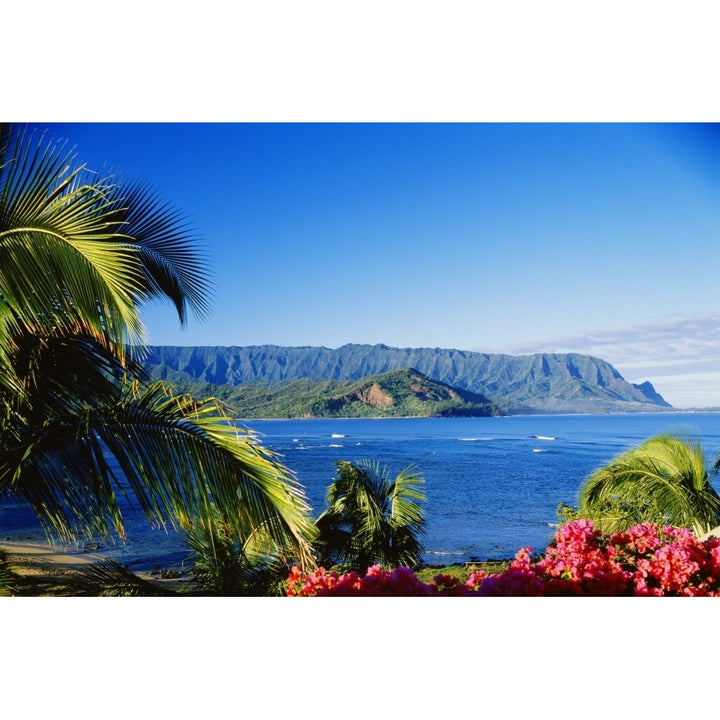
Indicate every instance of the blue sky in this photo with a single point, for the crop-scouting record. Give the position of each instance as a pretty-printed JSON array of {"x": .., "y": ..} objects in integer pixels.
[{"x": 493, "y": 237}]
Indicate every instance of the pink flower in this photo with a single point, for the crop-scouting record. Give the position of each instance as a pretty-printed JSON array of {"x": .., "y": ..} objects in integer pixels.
[{"x": 643, "y": 561}]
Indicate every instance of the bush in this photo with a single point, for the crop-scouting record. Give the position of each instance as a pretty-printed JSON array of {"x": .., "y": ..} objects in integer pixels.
[
  {"x": 401, "y": 582},
  {"x": 645, "y": 560}
]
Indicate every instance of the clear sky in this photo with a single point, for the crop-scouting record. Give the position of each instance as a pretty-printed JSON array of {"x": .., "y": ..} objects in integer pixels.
[{"x": 478, "y": 236}]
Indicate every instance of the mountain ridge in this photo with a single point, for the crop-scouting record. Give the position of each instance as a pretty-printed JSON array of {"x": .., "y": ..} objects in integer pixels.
[{"x": 538, "y": 383}]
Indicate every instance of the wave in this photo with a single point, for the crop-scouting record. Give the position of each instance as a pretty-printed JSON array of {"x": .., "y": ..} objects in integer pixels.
[{"x": 543, "y": 437}]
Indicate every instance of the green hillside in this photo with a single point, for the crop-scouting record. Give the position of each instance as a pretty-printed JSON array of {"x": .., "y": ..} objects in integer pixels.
[{"x": 398, "y": 393}]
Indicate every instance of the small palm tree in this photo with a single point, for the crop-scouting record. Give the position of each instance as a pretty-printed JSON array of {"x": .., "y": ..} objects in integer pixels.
[
  {"x": 371, "y": 518},
  {"x": 664, "y": 480},
  {"x": 225, "y": 565}
]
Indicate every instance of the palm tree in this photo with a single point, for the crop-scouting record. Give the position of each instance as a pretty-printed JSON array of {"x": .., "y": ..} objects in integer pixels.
[
  {"x": 664, "y": 480},
  {"x": 371, "y": 518},
  {"x": 79, "y": 254},
  {"x": 225, "y": 565}
]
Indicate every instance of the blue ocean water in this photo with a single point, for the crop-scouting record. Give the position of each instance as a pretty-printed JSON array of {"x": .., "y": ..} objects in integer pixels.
[{"x": 492, "y": 484}]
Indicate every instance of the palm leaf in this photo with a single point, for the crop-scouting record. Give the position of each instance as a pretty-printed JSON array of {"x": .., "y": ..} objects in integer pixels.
[
  {"x": 178, "y": 459},
  {"x": 162, "y": 239},
  {"x": 665, "y": 477},
  {"x": 83, "y": 249},
  {"x": 224, "y": 564},
  {"x": 61, "y": 259},
  {"x": 108, "y": 578}
]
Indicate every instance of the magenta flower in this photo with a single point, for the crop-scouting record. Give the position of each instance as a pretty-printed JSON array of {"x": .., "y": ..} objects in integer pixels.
[{"x": 643, "y": 561}]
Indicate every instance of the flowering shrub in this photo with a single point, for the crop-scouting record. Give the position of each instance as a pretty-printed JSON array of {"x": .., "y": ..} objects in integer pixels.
[
  {"x": 401, "y": 582},
  {"x": 645, "y": 560}
]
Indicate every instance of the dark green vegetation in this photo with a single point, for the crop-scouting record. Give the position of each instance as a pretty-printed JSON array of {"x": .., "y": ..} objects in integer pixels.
[
  {"x": 79, "y": 253},
  {"x": 544, "y": 383},
  {"x": 397, "y": 393},
  {"x": 371, "y": 518}
]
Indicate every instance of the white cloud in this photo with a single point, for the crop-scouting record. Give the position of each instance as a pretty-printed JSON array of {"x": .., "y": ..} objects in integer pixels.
[
  {"x": 686, "y": 391},
  {"x": 680, "y": 355}
]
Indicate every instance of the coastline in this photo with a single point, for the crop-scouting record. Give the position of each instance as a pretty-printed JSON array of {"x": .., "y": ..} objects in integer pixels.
[{"x": 63, "y": 573}]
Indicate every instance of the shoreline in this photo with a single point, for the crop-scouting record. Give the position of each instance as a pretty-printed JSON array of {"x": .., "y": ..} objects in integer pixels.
[{"x": 60, "y": 572}]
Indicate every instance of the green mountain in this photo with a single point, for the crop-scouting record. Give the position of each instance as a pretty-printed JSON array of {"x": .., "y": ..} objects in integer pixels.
[
  {"x": 398, "y": 393},
  {"x": 541, "y": 383}
]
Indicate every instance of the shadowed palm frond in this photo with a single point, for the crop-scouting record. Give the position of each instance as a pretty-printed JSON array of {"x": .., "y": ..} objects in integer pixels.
[
  {"x": 226, "y": 565},
  {"x": 179, "y": 459},
  {"x": 107, "y": 578},
  {"x": 9, "y": 581},
  {"x": 172, "y": 266}
]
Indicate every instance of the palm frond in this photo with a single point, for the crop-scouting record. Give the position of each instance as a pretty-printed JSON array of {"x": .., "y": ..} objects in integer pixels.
[
  {"x": 226, "y": 565},
  {"x": 406, "y": 498},
  {"x": 79, "y": 248},
  {"x": 60, "y": 257},
  {"x": 178, "y": 458},
  {"x": 664, "y": 480},
  {"x": 172, "y": 265},
  {"x": 108, "y": 578}
]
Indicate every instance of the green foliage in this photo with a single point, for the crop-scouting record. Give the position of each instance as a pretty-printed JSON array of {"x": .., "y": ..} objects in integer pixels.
[
  {"x": 614, "y": 512},
  {"x": 663, "y": 481},
  {"x": 372, "y": 518},
  {"x": 567, "y": 513},
  {"x": 398, "y": 393},
  {"x": 218, "y": 558},
  {"x": 226, "y": 565}
]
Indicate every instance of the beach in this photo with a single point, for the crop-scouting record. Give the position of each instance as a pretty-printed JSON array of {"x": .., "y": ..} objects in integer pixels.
[{"x": 46, "y": 571}]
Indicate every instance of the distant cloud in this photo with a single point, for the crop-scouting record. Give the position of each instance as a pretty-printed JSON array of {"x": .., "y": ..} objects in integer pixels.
[
  {"x": 692, "y": 390},
  {"x": 680, "y": 355}
]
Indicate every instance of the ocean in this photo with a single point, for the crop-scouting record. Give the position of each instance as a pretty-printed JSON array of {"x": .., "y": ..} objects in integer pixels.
[{"x": 493, "y": 484}]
